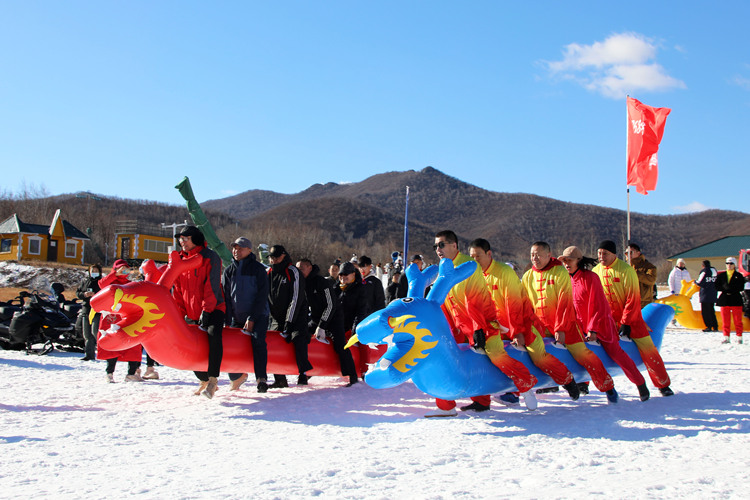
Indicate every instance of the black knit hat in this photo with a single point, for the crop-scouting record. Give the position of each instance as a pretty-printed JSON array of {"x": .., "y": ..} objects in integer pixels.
[
  {"x": 195, "y": 235},
  {"x": 608, "y": 245}
]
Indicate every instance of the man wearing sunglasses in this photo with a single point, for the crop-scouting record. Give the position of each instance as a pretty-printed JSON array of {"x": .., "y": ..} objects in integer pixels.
[{"x": 472, "y": 317}]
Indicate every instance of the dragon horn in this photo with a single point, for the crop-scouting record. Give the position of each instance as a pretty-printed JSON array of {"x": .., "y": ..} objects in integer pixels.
[
  {"x": 177, "y": 266},
  {"x": 419, "y": 280},
  {"x": 448, "y": 277}
]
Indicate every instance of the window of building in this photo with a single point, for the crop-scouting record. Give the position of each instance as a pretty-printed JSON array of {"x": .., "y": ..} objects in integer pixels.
[
  {"x": 35, "y": 246},
  {"x": 156, "y": 246},
  {"x": 6, "y": 245},
  {"x": 70, "y": 248}
]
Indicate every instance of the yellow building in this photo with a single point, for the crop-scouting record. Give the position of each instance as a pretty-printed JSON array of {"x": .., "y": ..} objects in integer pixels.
[
  {"x": 61, "y": 241},
  {"x": 139, "y": 241}
]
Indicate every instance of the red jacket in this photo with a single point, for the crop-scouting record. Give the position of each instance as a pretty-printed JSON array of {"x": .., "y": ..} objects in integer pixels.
[
  {"x": 134, "y": 353},
  {"x": 200, "y": 289},
  {"x": 592, "y": 307}
]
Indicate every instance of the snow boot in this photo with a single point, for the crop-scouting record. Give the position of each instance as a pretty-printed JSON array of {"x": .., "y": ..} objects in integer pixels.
[
  {"x": 211, "y": 387},
  {"x": 151, "y": 374},
  {"x": 666, "y": 391},
  {"x": 201, "y": 388},
  {"x": 236, "y": 384},
  {"x": 474, "y": 406},
  {"x": 612, "y": 396},
  {"x": 643, "y": 392},
  {"x": 573, "y": 391}
]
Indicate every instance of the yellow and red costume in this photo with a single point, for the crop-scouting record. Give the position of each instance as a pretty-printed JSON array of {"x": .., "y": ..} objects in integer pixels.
[
  {"x": 551, "y": 294},
  {"x": 468, "y": 307},
  {"x": 515, "y": 312},
  {"x": 622, "y": 290}
]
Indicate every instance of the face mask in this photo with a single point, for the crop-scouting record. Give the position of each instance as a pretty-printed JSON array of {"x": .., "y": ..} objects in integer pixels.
[
  {"x": 94, "y": 275},
  {"x": 681, "y": 267}
]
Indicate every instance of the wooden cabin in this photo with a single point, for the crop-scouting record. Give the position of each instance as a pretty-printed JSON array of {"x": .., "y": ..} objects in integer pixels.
[
  {"x": 136, "y": 240},
  {"x": 61, "y": 241}
]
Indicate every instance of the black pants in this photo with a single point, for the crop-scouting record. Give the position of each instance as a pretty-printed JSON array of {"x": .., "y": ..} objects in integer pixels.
[
  {"x": 345, "y": 355},
  {"x": 260, "y": 350},
  {"x": 709, "y": 315},
  {"x": 300, "y": 338},
  {"x": 215, "y": 346},
  {"x": 132, "y": 366},
  {"x": 89, "y": 331}
]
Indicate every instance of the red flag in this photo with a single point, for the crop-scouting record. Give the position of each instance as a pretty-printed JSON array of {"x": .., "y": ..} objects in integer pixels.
[{"x": 645, "y": 129}]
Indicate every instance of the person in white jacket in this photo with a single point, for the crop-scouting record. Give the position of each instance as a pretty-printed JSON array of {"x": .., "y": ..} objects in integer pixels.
[{"x": 676, "y": 276}]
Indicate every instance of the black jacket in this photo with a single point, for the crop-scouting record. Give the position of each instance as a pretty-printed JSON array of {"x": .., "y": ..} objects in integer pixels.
[
  {"x": 731, "y": 290},
  {"x": 377, "y": 295},
  {"x": 355, "y": 303},
  {"x": 246, "y": 291},
  {"x": 286, "y": 297},
  {"x": 88, "y": 284},
  {"x": 321, "y": 298},
  {"x": 391, "y": 292},
  {"x": 707, "y": 283}
]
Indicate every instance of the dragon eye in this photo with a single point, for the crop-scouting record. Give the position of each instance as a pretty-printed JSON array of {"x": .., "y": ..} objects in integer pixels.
[{"x": 407, "y": 300}]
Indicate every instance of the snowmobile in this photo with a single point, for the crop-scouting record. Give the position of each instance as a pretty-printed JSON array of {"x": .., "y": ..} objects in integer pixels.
[{"x": 40, "y": 321}]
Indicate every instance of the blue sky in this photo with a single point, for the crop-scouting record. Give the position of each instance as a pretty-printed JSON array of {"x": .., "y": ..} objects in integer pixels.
[{"x": 126, "y": 98}]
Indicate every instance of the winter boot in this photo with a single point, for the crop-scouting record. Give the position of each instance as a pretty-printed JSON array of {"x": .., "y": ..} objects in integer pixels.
[
  {"x": 201, "y": 388},
  {"x": 583, "y": 387},
  {"x": 110, "y": 378},
  {"x": 211, "y": 386},
  {"x": 136, "y": 377},
  {"x": 666, "y": 391},
  {"x": 262, "y": 385},
  {"x": 612, "y": 396},
  {"x": 474, "y": 406},
  {"x": 573, "y": 391},
  {"x": 279, "y": 382},
  {"x": 236, "y": 384},
  {"x": 151, "y": 374},
  {"x": 643, "y": 392}
]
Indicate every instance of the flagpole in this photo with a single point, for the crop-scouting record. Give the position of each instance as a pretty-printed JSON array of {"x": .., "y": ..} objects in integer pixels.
[
  {"x": 627, "y": 188},
  {"x": 406, "y": 229}
]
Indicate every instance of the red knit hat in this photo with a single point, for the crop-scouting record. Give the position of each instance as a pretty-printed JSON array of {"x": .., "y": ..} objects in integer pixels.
[{"x": 120, "y": 263}]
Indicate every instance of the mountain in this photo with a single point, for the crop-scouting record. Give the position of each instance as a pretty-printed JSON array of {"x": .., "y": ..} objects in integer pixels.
[{"x": 510, "y": 221}]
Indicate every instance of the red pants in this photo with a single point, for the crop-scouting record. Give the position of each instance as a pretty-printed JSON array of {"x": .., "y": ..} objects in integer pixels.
[
  {"x": 734, "y": 313},
  {"x": 586, "y": 358},
  {"x": 445, "y": 404},
  {"x": 639, "y": 333},
  {"x": 620, "y": 357}
]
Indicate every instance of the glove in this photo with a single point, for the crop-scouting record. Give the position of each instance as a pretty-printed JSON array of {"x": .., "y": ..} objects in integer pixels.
[
  {"x": 625, "y": 331},
  {"x": 480, "y": 341},
  {"x": 320, "y": 336},
  {"x": 286, "y": 336},
  {"x": 190, "y": 321},
  {"x": 204, "y": 321}
]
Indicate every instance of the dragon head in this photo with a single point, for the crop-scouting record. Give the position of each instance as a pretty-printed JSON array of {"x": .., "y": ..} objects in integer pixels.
[
  {"x": 132, "y": 310},
  {"x": 414, "y": 328}
]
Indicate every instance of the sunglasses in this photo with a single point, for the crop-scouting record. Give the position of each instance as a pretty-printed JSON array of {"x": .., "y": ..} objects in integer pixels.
[
  {"x": 730, "y": 263},
  {"x": 440, "y": 245}
]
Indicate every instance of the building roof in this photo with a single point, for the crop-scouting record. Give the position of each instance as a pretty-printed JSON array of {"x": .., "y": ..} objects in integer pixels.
[
  {"x": 729, "y": 245},
  {"x": 13, "y": 225}
]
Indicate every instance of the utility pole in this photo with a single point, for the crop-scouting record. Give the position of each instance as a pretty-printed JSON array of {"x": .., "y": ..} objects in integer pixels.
[{"x": 174, "y": 227}]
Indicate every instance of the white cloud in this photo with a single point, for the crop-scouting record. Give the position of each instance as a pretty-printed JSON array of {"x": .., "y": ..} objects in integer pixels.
[
  {"x": 229, "y": 192},
  {"x": 620, "y": 65},
  {"x": 742, "y": 82},
  {"x": 695, "y": 206}
]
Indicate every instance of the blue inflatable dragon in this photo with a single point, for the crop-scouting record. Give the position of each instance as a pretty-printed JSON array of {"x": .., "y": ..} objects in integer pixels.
[{"x": 421, "y": 346}]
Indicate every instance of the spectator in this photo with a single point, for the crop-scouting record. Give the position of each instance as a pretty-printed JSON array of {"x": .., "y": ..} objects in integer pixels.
[
  {"x": 333, "y": 273},
  {"x": 678, "y": 274},
  {"x": 353, "y": 297},
  {"x": 246, "y": 291},
  {"x": 645, "y": 271},
  {"x": 391, "y": 291},
  {"x": 707, "y": 283},
  {"x": 403, "y": 284},
  {"x": 373, "y": 285},
  {"x": 730, "y": 284},
  {"x": 87, "y": 289}
]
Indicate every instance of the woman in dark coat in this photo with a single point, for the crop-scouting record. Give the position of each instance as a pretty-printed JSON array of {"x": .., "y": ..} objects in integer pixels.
[{"x": 730, "y": 285}]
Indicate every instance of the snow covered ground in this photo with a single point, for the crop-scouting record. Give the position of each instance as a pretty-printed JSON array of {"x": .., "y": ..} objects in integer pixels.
[{"x": 65, "y": 433}]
